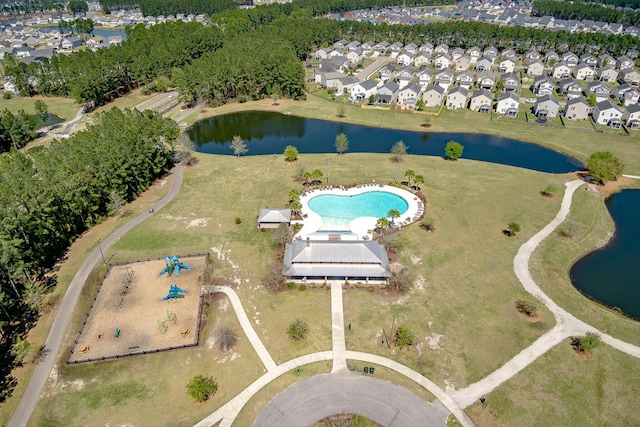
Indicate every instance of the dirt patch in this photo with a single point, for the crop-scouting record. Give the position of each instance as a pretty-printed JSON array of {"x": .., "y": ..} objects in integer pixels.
[{"x": 136, "y": 312}]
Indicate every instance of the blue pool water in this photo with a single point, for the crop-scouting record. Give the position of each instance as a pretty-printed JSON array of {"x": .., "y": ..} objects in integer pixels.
[{"x": 338, "y": 211}]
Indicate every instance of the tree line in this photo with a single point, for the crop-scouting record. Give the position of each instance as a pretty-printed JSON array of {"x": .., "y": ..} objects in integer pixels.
[
  {"x": 50, "y": 195},
  {"x": 172, "y": 7},
  {"x": 580, "y": 11}
]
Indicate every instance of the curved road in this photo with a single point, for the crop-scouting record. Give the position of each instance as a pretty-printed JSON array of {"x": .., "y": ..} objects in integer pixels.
[
  {"x": 61, "y": 322},
  {"x": 311, "y": 400}
]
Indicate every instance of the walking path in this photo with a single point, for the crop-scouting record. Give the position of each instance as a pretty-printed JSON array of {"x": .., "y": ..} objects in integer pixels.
[
  {"x": 65, "y": 310},
  {"x": 566, "y": 324},
  {"x": 337, "y": 325}
]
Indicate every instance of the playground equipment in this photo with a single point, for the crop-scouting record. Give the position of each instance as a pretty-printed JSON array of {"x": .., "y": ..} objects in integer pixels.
[
  {"x": 174, "y": 293},
  {"x": 126, "y": 282},
  {"x": 162, "y": 322},
  {"x": 173, "y": 265}
]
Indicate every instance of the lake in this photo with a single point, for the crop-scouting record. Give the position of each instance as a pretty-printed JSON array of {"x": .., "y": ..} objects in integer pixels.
[
  {"x": 269, "y": 133},
  {"x": 99, "y": 31},
  {"x": 611, "y": 275}
]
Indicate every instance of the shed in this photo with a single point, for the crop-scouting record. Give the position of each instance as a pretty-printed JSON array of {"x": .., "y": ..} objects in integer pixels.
[{"x": 272, "y": 218}]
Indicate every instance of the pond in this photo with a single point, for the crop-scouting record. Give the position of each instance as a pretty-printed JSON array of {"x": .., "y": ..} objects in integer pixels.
[
  {"x": 98, "y": 31},
  {"x": 269, "y": 133},
  {"x": 611, "y": 275}
]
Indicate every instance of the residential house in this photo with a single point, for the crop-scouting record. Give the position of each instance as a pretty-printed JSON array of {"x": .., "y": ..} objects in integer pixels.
[
  {"x": 481, "y": 101},
  {"x": 462, "y": 63},
  {"x": 465, "y": 79},
  {"x": 355, "y": 56},
  {"x": 560, "y": 71},
  {"x": 444, "y": 78},
  {"x": 474, "y": 53},
  {"x": 484, "y": 64},
  {"x": 340, "y": 45},
  {"x": 433, "y": 95},
  {"x": 608, "y": 73},
  {"x": 395, "y": 49},
  {"x": 551, "y": 57},
  {"x": 23, "y": 52},
  {"x": 486, "y": 80},
  {"x": 626, "y": 94},
  {"x": 570, "y": 58},
  {"x": 404, "y": 59},
  {"x": 532, "y": 55},
  {"x": 387, "y": 93},
  {"x": 631, "y": 116},
  {"x": 491, "y": 52},
  {"x": 354, "y": 45},
  {"x": 367, "y": 47},
  {"x": 623, "y": 62},
  {"x": 443, "y": 60},
  {"x": 441, "y": 48},
  {"x": 421, "y": 60},
  {"x": 546, "y": 107},
  {"x": 577, "y": 109},
  {"x": 509, "y": 53},
  {"x": 386, "y": 72},
  {"x": 425, "y": 77},
  {"x": 606, "y": 59},
  {"x": 583, "y": 72},
  {"x": 629, "y": 75},
  {"x": 511, "y": 82},
  {"x": 334, "y": 64},
  {"x": 605, "y": 113},
  {"x": 599, "y": 89},
  {"x": 363, "y": 90},
  {"x": 426, "y": 48},
  {"x": 535, "y": 68},
  {"x": 589, "y": 59},
  {"x": 115, "y": 40},
  {"x": 456, "y": 53},
  {"x": 457, "y": 98},
  {"x": 508, "y": 104},
  {"x": 9, "y": 85},
  {"x": 320, "y": 260},
  {"x": 70, "y": 42},
  {"x": 569, "y": 88},
  {"x": 272, "y": 218},
  {"x": 340, "y": 83},
  {"x": 381, "y": 48},
  {"x": 405, "y": 75},
  {"x": 412, "y": 48},
  {"x": 409, "y": 95}
]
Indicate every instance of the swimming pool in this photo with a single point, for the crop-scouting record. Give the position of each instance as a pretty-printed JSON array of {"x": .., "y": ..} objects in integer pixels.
[{"x": 337, "y": 211}]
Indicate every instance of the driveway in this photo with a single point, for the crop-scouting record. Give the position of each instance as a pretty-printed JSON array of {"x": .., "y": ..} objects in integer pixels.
[
  {"x": 313, "y": 399},
  {"x": 379, "y": 62}
]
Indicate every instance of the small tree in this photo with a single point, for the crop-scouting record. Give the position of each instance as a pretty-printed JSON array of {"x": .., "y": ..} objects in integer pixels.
[
  {"x": 453, "y": 150},
  {"x": 418, "y": 181},
  {"x": 342, "y": 143},
  {"x": 549, "y": 191},
  {"x": 295, "y": 206},
  {"x": 603, "y": 166},
  {"x": 116, "y": 204},
  {"x": 226, "y": 338},
  {"x": 390, "y": 239},
  {"x": 307, "y": 177},
  {"x": 186, "y": 142},
  {"x": 500, "y": 85},
  {"x": 273, "y": 279},
  {"x": 382, "y": 223},
  {"x": 316, "y": 176},
  {"x": 420, "y": 105},
  {"x": 401, "y": 280},
  {"x": 20, "y": 350},
  {"x": 393, "y": 214},
  {"x": 428, "y": 224},
  {"x": 298, "y": 173},
  {"x": 372, "y": 99},
  {"x": 398, "y": 151},
  {"x": 341, "y": 110},
  {"x": 426, "y": 120},
  {"x": 201, "y": 387},
  {"x": 298, "y": 330},
  {"x": 282, "y": 236},
  {"x": 404, "y": 337},
  {"x": 592, "y": 100},
  {"x": 290, "y": 153},
  {"x": 569, "y": 230},
  {"x": 527, "y": 308},
  {"x": 294, "y": 194},
  {"x": 513, "y": 228},
  {"x": 409, "y": 174},
  {"x": 42, "y": 110},
  {"x": 585, "y": 345},
  {"x": 238, "y": 146}
]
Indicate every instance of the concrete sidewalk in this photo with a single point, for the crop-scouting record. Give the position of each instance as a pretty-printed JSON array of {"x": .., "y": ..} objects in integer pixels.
[{"x": 337, "y": 326}]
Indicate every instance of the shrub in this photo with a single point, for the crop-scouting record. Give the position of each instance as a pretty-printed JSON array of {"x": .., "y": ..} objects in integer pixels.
[
  {"x": 358, "y": 285},
  {"x": 273, "y": 279},
  {"x": 238, "y": 220},
  {"x": 7, "y": 95},
  {"x": 370, "y": 288},
  {"x": 302, "y": 287},
  {"x": 513, "y": 228},
  {"x": 226, "y": 338},
  {"x": 291, "y": 285},
  {"x": 549, "y": 191},
  {"x": 200, "y": 387},
  {"x": 401, "y": 280},
  {"x": 298, "y": 330},
  {"x": 525, "y": 307},
  {"x": 585, "y": 345},
  {"x": 290, "y": 153},
  {"x": 428, "y": 224},
  {"x": 404, "y": 337}
]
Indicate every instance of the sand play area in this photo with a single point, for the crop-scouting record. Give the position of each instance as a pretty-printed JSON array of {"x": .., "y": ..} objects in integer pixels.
[{"x": 136, "y": 313}]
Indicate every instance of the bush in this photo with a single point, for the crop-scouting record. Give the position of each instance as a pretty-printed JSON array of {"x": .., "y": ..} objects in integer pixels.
[
  {"x": 226, "y": 338},
  {"x": 200, "y": 387},
  {"x": 549, "y": 191},
  {"x": 404, "y": 337},
  {"x": 401, "y": 280},
  {"x": 453, "y": 150},
  {"x": 291, "y": 285},
  {"x": 298, "y": 330},
  {"x": 238, "y": 220},
  {"x": 370, "y": 288},
  {"x": 569, "y": 230},
  {"x": 290, "y": 153},
  {"x": 513, "y": 228},
  {"x": 302, "y": 287},
  {"x": 428, "y": 224},
  {"x": 7, "y": 95},
  {"x": 358, "y": 285},
  {"x": 525, "y": 307},
  {"x": 273, "y": 279},
  {"x": 585, "y": 345}
]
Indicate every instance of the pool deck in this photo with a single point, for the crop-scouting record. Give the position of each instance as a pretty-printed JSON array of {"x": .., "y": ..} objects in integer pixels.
[{"x": 360, "y": 228}]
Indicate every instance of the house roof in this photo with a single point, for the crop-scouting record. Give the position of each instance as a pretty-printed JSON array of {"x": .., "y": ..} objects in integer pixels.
[
  {"x": 606, "y": 105},
  {"x": 436, "y": 88},
  {"x": 482, "y": 92},
  {"x": 547, "y": 98},
  {"x": 461, "y": 90},
  {"x": 509, "y": 95},
  {"x": 368, "y": 84},
  {"x": 578, "y": 100},
  {"x": 342, "y": 258},
  {"x": 274, "y": 215},
  {"x": 633, "y": 108}
]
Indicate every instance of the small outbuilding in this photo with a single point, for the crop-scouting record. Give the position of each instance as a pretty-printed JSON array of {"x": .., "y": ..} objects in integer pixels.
[{"x": 272, "y": 218}]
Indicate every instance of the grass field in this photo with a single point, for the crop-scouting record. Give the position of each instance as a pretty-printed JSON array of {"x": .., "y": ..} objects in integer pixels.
[
  {"x": 562, "y": 388},
  {"x": 568, "y": 141},
  {"x": 65, "y": 108}
]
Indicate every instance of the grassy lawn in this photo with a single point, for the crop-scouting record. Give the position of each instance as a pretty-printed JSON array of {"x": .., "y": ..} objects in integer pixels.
[
  {"x": 65, "y": 108},
  {"x": 551, "y": 263},
  {"x": 565, "y": 389},
  {"x": 580, "y": 124},
  {"x": 579, "y": 145},
  {"x": 151, "y": 390}
]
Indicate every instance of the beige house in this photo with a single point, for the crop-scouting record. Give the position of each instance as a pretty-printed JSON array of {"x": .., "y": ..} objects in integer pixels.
[
  {"x": 432, "y": 96},
  {"x": 481, "y": 101},
  {"x": 577, "y": 109},
  {"x": 535, "y": 68},
  {"x": 457, "y": 98}
]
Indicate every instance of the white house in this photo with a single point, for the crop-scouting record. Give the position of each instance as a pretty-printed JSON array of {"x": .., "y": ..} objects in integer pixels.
[
  {"x": 631, "y": 116},
  {"x": 363, "y": 90},
  {"x": 409, "y": 95},
  {"x": 605, "y": 113},
  {"x": 404, "y": 59},
  {"x": 583, "y": 72},
  {"x": 508, "y": 104}
]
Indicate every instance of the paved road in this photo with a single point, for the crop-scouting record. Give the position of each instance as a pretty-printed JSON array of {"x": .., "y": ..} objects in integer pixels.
[
  {"x": 157, "y": 102},
  {"x": 66, "y": 308},
  {"x": 379, "y": 62},
  {"x": 315, "y": 398}
]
